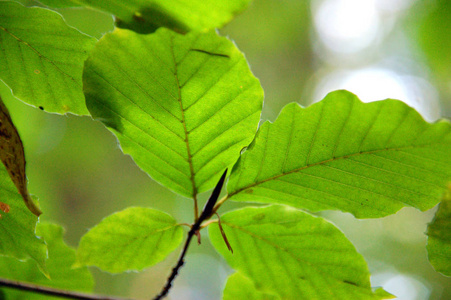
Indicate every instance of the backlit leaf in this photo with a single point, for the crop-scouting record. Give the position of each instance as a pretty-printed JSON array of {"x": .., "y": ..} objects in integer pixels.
[
  {"x": 370, "y": 159},
  {"x": 59, "y": 265},
  {"x": 42, "y": 58},
  {"x": 13, "y": 157},
  {"x": 133, "y": 239},
  {"x": 183, "y": 106},
  {"x": 293, "y": 254},
  {"x": 240, "y": 287},
  {"x": 146, "y": 16},
  {"x": 439, "y": 237}
]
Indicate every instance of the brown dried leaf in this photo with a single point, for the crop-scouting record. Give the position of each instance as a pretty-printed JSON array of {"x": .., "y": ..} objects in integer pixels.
[{"x": 13, "y": 157}]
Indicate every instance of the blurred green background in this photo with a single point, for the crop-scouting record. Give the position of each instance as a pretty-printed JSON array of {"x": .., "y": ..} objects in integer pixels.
[{"x": 300, "y": 50}]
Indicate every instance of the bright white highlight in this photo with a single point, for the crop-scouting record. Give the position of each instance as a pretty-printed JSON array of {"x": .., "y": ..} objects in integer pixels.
[
  {"x": 346, "y": 25},
  {"x": 372, "y": 83}
]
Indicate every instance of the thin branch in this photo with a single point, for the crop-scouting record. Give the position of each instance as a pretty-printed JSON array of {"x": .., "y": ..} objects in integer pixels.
[
  {"x": 206, "y": 214},
  {"x": 25, "y": 286},
  {"x": 179, "y": 264},
  {"x": 196, "y": 209}
]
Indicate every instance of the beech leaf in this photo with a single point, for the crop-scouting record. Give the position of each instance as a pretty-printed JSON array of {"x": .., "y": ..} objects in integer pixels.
[
  {"x": 42, "y": 58},
  {"x": 133, "y": 239},
  {"x": 59, "y": 265},
  {"x": 369, "y": 159},
  {"x": 17, "y": 226},
  {"x": 294, "y": 255},
  {"x": 239, "y": 287},
  {"x": 439, "y": 237},
  {"x": 183, "y": 106},
  {"x": 145, "y": 16}
]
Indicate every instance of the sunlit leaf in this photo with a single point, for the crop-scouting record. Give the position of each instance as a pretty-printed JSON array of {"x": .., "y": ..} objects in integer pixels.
[
  {"x": 17, "y": 226},
  {"x": 293, "y": 254},
  {"x": 183, "y": 106},
  {"x": 240, "y": 287},
  {"x": 439, "y": 237},
  {"x": 133, "y": 239},
  {"x": 370, "y": 159},
  {"x": 42, "y": 58},
  {"x": 146, "y": 16},
  {"x": 13, "y": 158},
  {"x": 59, "y": 265}
]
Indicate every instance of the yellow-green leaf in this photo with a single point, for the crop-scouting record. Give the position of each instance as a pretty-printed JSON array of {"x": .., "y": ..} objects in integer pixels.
[
  {"x": 240, "y": 287},
  {"x": 133, "y": 239},
  {"x": 292, "y": 254},
  {"x": 61, "y": 274},
  {"x": 42, "y": 58},
  {"x": 439, "y": 237},
  {"x": 146, "y": 16},
  {"x": 183, "y": 106},
  {"x": 369, "y": 159}
]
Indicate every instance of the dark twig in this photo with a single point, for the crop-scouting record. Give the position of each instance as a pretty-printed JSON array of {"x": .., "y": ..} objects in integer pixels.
[
  {"x": 25, "y": 286},
  {"x": 206, "y": 214}
]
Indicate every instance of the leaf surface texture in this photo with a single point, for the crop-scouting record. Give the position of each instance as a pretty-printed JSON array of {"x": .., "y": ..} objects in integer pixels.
[
  {"x": 239, "y": 287},
  {"x": 42, "y": 58},
  {"x": 18, "y": 225},
  {"x": 183, "y": 106},
  {"x": 146, "y": 16},
  {"x": 59, "y": 266},
  {"x": 293, "y": 254},
  {"x": 370, "y": 159},
  {"x": 132, "y": 239}
]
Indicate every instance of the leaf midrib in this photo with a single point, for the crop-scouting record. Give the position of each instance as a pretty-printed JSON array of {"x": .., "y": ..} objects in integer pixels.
[
  {"x": 328, "y": 161},
  {"x": 183, "y": 121}
]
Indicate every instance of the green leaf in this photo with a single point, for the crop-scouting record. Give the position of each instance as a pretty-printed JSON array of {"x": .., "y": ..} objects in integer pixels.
[
  {"x": 62, "y": 3},
  {"x": 370, "y": 159},
  {"x": 146, "y": 16},
  {"x": 133, "y": 239},
  {"x": 293, "y": 254},
  {"x": 183, "y": 106},
  {"x": 42, "y": 58},
  {"x": 240, "y": 287},
  {"x": 59, "y": 266},
  {"x": 17, "y": 226},
  {"x": 439, "y": 237}
]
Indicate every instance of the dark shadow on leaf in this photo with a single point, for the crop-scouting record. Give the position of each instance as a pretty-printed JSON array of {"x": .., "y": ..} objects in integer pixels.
[{"x": 150, "y": 18}]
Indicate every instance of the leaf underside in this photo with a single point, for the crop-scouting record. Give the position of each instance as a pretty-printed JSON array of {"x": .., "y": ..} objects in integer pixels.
[
  {"x": 439, "y": 237},
  {"x": 292, "y": 254},
  {"x": 42, "y": 58},
  {"x": 59, "y": 265},
  {"x": 133, "y": 239},
  {"x": 183, "y": 106},
  {"x": 369, "y": 159}
]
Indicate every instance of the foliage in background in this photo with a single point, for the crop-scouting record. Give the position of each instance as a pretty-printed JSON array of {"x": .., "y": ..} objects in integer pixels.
[{"x": 185, "y": 107}]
